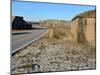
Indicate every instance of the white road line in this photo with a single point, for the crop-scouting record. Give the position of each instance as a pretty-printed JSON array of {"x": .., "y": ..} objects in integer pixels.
[{"x": 14, "y": 51}]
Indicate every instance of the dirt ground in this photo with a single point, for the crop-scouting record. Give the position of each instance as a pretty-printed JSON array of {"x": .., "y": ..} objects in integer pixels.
[{"x": 56, "y": 53}]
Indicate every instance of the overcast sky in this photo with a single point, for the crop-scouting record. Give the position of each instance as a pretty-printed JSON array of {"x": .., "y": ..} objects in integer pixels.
[{"x": 36, "y": 11}]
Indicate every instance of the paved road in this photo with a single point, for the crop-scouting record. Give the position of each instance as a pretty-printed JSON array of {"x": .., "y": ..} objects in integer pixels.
[{"x": 22, "y": 38}]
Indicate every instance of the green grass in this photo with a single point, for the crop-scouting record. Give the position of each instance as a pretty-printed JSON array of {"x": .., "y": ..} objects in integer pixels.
[{"x": 26, "y": 66}]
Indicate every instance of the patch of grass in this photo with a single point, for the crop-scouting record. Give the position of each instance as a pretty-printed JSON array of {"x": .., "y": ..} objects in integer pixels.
[
  {"x": 56, "y": 36},
  {"x": 59, "y": 32},
  {"x": 26, "y": 66}
]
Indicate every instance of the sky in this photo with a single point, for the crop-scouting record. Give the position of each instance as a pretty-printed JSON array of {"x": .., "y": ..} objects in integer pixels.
[{"x": 39, "y": 11}]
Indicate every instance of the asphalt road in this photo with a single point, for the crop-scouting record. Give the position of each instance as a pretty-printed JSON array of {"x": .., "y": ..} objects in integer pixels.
[{"x": 20, "y": 39}]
